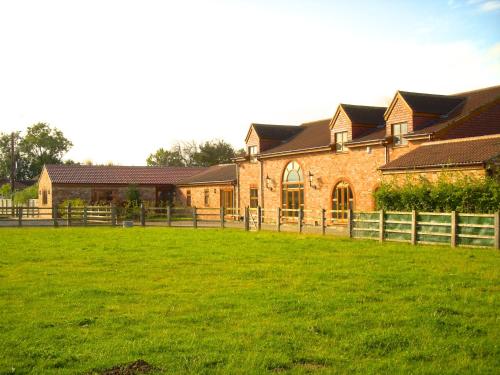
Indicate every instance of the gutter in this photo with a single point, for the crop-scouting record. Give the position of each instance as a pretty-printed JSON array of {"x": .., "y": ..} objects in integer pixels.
[
  {"x": 420, "y": 167},
  {"x": 293, "y": 152}
]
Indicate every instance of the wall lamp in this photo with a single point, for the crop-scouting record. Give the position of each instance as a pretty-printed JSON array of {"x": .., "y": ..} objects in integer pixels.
[
  {"x": 269, "y": 183},
  {"x": 310, "y": 177}
]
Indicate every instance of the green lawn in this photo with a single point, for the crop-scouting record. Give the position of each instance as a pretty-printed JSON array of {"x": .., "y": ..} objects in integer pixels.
[{"x": 77, "y": 300}]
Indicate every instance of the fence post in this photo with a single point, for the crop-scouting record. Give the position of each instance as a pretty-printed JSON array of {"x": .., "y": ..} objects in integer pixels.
[
  {"x": 113, "y": 215},
  {"x": 143, "y": 215},
  {"x": 246, "y": 219},
  {"x": 259, "y": 217},
  {"x": 195, "y": 219},
  {"x": 349, "y": 222},
  {"x": 497, "y": 230},
  {"x": 20, "y": 215},
  {"x": 278, "y": 219},
  {"x": 323, "y": 221},
  {"x": 222, "y": 217},
  {"x": 381, "y": 226},
  {"x": 85, "y": 216},
  {"x": 169, "y": 216},
  {"x": 54, "y": 214},
  {"x": 413, "y": 227},
  {"x": 453, "y": 234},
  {"x": 300, "y": 217},
  {"x": 68, "y": 218}
]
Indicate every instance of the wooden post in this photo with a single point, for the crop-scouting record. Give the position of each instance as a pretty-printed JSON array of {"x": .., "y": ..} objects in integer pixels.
[
  {"x": 278, "y": 219},
  {"x": 68, "y": 218},
  {"x": 349, "y": 222},
  {"x": 195, "y": 219},
  {"x": 413, "y": 227},
  {"x": 169, "y": 216},
  {"x": 54, "y": 214},
  {"x": 497, "y": 230},
  {"x": 20, "y": 215},
  {"x": 323, "y": 221},
  {"x": 259, "y": 218},
  {"x": 222, "y": 217},
  {"x": 300, "y": 217},
  {"x": 453, "y": 233},
  {"x": 113, "y": 215},
  {"x": 143, "y": 215},
  {"x": 85, "y": 216},
  {"x": 381, "y": 226},
  {"x": 246, "y": 219}
]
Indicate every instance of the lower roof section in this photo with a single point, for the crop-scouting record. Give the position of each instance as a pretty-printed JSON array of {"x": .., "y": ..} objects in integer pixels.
[
  {"x": 450, "y": 153},
  {"x": 214, "y": 175}
]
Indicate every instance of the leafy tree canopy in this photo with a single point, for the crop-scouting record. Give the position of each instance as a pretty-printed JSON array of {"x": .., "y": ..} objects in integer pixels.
[{"x": 190, "y": 154}]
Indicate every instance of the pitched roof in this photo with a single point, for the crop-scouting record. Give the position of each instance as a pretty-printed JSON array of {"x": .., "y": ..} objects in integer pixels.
[
  {"x": 362, "y": 114},
  {"x": 377, "y": 134},
  {"x": 468, "y": 151},
  {"x": 431, "y": 103},
  {"x": 473, "y": 102},
  {"x": 222, "y": 173},
  {"x": 92, "y": 174},
  {"x": 276, "y": 132},
  {"x": 310, "y": 135}
]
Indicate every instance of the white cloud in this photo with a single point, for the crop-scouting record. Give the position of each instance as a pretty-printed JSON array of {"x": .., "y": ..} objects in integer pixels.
[{"x": 490, "y": 6}]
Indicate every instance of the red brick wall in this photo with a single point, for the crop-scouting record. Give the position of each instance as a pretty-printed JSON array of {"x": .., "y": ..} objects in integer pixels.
[
  {"x": 355, "y": 166},
  {"x": 249, "y": 176},
  {"x": 198, "y": 195}
]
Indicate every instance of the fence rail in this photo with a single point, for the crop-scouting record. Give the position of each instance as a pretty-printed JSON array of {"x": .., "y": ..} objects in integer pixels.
[{"x": 455, "y": 229}]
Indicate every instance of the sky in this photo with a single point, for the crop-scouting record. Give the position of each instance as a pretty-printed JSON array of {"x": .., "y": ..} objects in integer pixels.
[{"x": 123, "y": 78}]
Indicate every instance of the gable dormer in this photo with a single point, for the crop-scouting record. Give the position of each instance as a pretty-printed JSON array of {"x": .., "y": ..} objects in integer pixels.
[
  {"x": 411, "y": 111},
  {"x": 354, "y": 121},
  {"x": 262, "y": 137}
]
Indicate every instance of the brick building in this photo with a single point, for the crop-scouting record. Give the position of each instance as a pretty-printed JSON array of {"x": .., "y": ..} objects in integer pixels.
[
  {"x": 335, "y": 163},
  {"x": 338, "y": 163}
]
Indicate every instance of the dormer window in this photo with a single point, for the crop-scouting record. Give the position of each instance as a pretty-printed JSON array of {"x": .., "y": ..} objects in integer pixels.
[
  {"x": 252, "y": 152},
  {"x": 398, "y": 133},
  {"x": 340, "y": 141}
]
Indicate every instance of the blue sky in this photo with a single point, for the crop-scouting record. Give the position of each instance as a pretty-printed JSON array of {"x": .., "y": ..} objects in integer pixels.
[{"x": 122, "y": 78}]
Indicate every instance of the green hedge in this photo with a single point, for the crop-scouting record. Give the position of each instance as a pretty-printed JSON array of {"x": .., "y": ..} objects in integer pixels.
[{"x": 465, "y": 194}]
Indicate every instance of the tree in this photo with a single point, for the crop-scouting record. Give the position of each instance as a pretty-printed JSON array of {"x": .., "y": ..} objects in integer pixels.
[
  {"x": 6, "y": 157},
  {"x": 190, "y": 154},
  {"x": 213, "y": 152},
  {"x": 164, "y": 157},
  {"x": 42, "y": 145}
]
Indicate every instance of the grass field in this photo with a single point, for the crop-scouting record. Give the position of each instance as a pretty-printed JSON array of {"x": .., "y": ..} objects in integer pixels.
[{"x": 78, "y": 300}]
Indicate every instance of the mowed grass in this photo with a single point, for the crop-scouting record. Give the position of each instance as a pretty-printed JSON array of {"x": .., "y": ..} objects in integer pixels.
[{"x": 78, "y": 300}]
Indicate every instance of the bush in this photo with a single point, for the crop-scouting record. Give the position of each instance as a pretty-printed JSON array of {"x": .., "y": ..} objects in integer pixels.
[
  {"x": 5, "y": 191},
  {"x": 133, "y": 195},
  {"x": 466, "y": 194},
  {"x": 63, "y": 206},
  {"x": 23, "y": 196}
]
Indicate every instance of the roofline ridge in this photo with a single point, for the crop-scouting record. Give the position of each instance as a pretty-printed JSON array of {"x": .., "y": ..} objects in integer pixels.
[
  {"x": 477, "y": 90},
  {"x": 458, "y": 140},
  {"x": 451, "y": 96}
]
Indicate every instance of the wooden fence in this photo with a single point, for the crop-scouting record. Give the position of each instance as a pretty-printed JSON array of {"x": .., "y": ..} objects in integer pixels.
[{"x": 455, "y": 229}]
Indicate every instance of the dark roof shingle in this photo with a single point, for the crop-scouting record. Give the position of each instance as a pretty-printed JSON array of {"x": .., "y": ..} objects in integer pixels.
[
  {"x": 361, "y": 114},
  {"x": 276, "y": 132},
  {"x": 311, "y": 135},
  {"x": 431, "y": 103},
  {"x": 215, "y": 174},
  {"x": 92, "y": 174},
  {"x": 467, "y": 151}
]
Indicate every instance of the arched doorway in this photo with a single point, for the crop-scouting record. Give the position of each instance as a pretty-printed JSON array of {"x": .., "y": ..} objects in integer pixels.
[
  {"x": 292, "y": 190},
  {"x": 342, "y": 201}
]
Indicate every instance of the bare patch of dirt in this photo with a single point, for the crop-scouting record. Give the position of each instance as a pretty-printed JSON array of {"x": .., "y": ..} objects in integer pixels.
[{"x": 134, "y": 368}]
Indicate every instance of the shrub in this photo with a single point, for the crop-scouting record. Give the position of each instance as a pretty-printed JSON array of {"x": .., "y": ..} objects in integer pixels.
[
  {"x": 133, "y": 195},
  {"x": 5, "y": 191},
  {"x": 23, "y": 196},
  {"x": 465, "y": 194}
]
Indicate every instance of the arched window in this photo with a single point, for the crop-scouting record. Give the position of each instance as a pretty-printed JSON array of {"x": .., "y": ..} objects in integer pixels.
[
  {"x": 292, "y": 190},
  {"x": 342, "y": 201}
]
